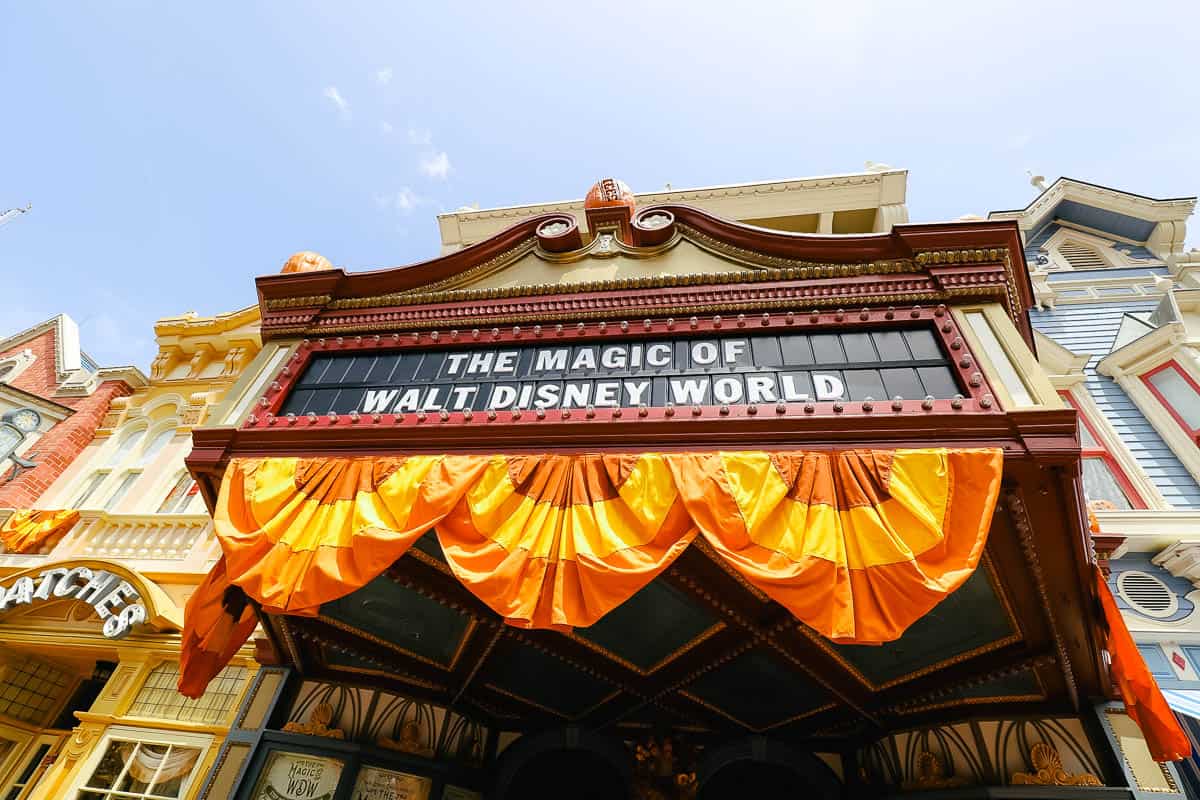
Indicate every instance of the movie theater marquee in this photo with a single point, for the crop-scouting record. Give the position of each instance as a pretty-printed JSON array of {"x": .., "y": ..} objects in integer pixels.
[{"x": 732, "y": 370}]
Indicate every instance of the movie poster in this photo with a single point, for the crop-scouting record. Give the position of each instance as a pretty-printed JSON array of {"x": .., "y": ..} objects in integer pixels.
[
  {"x": 384, "y": 784},
  {"x": 297, "y": 776}
]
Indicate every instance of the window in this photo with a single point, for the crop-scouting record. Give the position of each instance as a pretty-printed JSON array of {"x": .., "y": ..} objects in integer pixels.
[
  {"x": 155, "y": 447},
  {"x": 127, "y": 480},
  {"x": 1179, "y": 394},
  {"x": 1105, "y": 485},
  {"x": 181, "y": 495},
  {"x": 145, "y": 457},
  {"x": 97, "y": 478},
  {"x": 128, "y": 442},
  {"x": 1005, "y": 371},
  {"x": 31, "y": 689},
  {"x": 132, "y": 769},
  {"x": 159, "y": 699},
  {"x": 89, "y": 488},
  {"x": 32, "y": 770}
]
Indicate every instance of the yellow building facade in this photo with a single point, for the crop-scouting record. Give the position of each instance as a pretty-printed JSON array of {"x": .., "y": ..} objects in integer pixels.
[{"x": 89, "y": 631}]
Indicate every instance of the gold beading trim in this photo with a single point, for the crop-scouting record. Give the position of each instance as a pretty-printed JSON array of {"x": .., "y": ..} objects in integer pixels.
[{"x": 298, "y": 302}]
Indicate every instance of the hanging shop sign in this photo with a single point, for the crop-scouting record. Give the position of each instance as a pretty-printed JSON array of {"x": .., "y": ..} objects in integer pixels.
[
  {"x": 114, "y": 599},
  {"x": 374, "y": 783},
  {"x": 298, "y": 776},
  {"x": 728, "y": 370}
]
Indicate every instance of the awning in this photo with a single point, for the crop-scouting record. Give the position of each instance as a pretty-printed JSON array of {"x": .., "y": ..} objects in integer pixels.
[
  {"x": 858, "y": 544},
  {"x": 1184, "y": 701}
]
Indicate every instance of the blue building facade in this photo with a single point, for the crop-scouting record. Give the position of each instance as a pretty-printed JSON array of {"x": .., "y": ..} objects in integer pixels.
[{"x": 1117, "y": 299}]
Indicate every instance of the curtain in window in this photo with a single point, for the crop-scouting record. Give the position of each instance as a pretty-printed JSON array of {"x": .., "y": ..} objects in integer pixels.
[
  {"x": 158, "y": 764},
  {"x": 858, "y": 544}
]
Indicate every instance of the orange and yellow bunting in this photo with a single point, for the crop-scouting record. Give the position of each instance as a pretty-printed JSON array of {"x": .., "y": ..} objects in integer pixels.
[
  {"x": 25, "y": 531},
  {"x": 858, "y": 544}
]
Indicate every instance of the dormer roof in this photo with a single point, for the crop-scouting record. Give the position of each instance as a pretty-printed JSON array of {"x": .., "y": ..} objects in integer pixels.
[{"x": 1089, "y": 207}]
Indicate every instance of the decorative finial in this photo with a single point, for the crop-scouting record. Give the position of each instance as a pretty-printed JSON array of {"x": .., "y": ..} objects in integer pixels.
[{"x": 306, "y": 261}]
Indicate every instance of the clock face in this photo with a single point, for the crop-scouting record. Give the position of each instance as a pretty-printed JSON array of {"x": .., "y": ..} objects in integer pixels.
[{"x": 25, "y": 419}]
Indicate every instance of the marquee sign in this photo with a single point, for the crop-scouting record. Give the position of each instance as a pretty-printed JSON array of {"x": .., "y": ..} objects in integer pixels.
[
  {"x": 629, "y": 373},
  {"x": 114, "y": 598}
]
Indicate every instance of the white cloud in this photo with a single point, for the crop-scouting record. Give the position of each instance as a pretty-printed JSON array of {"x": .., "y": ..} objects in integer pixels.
[
  {"x": 436, "y": 165},
  {"x": 386, "y": 128},
  {"x": 402, "y": 201},
  {"x": 419, "y": 135},
  {"x": 384, "y": 76},
  {"x": 332, "y": 94}
]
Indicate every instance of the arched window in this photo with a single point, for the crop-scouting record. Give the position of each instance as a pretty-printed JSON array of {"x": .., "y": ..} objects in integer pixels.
[
  {"x": 88, "y": 493},
  {"x": 124, "y": 447},
  {"x": 145, "y": 456},
  {"x": 151, "y": 451}
]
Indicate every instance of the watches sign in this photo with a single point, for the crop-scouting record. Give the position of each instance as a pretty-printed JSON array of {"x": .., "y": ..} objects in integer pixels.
[
  {"x": 114, "y": 599},
  {"x": 730, "y": 370}
]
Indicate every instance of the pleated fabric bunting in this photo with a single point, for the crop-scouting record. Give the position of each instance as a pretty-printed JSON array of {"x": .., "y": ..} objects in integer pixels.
[
  {"x": 858, "y": 544},
  {"x": 25, "y": 531}
]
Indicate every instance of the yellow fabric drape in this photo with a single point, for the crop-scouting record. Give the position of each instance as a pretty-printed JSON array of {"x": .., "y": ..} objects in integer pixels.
[
  {"x": 25, "y": 531},
  {"x": 858, "y": 544}
]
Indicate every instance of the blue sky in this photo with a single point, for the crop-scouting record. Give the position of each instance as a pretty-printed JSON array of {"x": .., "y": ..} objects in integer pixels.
[{"x": 173, "y": 151}]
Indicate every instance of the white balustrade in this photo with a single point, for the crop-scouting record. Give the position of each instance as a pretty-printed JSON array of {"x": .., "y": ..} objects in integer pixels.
[
  {"x": 139, "y": 536},
  {"x": 146, "y": 539}
]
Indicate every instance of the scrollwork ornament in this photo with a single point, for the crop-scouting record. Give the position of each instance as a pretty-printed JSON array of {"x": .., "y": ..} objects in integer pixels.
[
  {"x": 931, "y": 774},
  {"x": 1048, "y": 770},
  {"x": 318, "y": 724},
  {"x": 80, "y": 742}
]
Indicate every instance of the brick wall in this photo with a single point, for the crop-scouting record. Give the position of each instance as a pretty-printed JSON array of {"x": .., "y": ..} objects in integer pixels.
[
  {"x": 40, "y": 377},
  {"x": 59, "y": 446}
]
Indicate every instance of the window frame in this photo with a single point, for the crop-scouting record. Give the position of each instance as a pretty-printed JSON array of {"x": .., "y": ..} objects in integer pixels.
[
  {"x": 1101, "y": 451},
  {"x": 150, "y": 736},
  {"x": 1192, "y": 433},
  {"x": 185, "y": 499},
  {"x": 37, "y": 769}
]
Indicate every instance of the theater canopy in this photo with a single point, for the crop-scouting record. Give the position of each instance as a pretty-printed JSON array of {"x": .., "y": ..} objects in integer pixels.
[{"x": 671, "y": 472}]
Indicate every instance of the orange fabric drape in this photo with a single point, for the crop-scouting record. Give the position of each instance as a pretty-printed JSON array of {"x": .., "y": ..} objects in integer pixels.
[
  {"x": 558, "y": 541},
  {"x": 1144, "y": 701},
  {"x": 857, "y": 544},
  {"x": 25, "y": 531},
  {"x": 217, "y": 622},
  {"x": 301, "y": 532}
]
